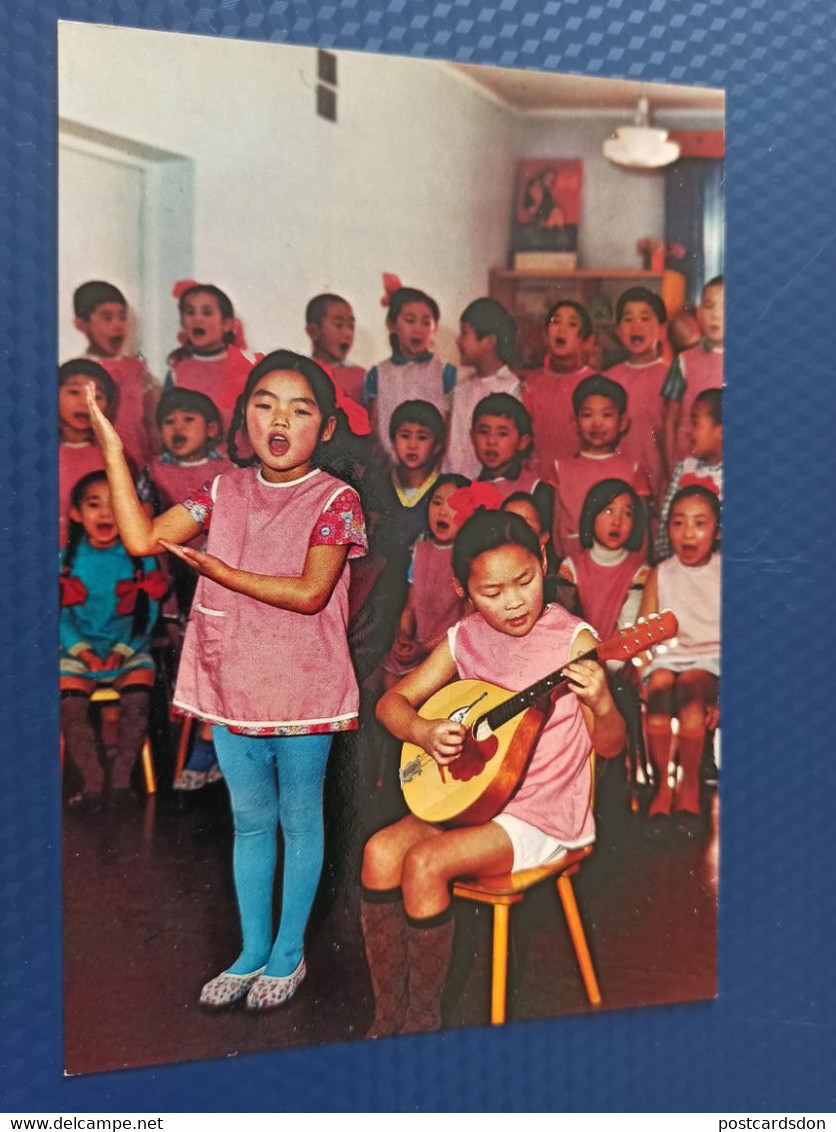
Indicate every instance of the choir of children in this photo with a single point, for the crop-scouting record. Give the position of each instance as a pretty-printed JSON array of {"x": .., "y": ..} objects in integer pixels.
[{"x": 599, "y": 463}]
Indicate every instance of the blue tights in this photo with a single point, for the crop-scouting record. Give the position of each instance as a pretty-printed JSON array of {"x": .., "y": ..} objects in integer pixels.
[{"x": 274, "y": 781}]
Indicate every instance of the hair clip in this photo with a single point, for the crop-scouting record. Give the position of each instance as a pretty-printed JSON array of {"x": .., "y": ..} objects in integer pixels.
[
  {"x": 691, "y": 479},
  {"x": 466, "y": 501},
  {"x": 391, "y": 284},
  {"x": 183, "y": 285}
]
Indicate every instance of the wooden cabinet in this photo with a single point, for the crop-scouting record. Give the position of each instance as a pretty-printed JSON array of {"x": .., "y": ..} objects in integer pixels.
[{"x": 529, "y": 294}]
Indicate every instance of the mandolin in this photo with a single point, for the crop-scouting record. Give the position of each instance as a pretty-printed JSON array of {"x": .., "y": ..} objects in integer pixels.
[{"x": 502, "y": 731}]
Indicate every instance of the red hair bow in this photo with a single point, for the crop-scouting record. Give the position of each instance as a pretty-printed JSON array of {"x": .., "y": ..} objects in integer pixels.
[
  {"x": 691, "y": 479},
  {"x": 181, "y": 286},
  {"x": 466, "y": 501},
  {"x": 391, "y": 284},
  {"x": 154, "y": 583},
  {"x": 356, "y": 415},
  {"x": 73, "y": 590}
]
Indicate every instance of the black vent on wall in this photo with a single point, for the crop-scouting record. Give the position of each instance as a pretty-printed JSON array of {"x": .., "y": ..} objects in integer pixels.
[{"x": 326, "y": 91}]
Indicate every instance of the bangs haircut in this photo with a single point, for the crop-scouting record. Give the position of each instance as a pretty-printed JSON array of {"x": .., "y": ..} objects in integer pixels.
[
  {"x": 422, "y": 413},
  {"x": 86, "y": 367},
  {"x": 579, "y": 309},
  {"x": 641, "y": 295},
  {"x": 596, "y": 385},
  {"x": 503, "y": 405},
  {"x": 189, "y": 401},
  {"x": 317, "y": 308},
  {"x": 601, "y": 496},
  {"x": 490, "y": 530},
  {"x": 94, "y": 294}
]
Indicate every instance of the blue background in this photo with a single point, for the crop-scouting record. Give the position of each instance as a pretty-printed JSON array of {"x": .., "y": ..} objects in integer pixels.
[{"x": 768, "y": 1042}]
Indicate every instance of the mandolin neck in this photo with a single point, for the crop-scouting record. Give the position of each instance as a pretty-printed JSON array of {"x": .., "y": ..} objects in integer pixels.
[{"x": 528, "y": 696}]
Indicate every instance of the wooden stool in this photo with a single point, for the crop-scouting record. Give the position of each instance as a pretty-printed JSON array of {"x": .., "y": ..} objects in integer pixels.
[
  {"x": 102, "y": 696},
  {"x": 510, "y": 888}
]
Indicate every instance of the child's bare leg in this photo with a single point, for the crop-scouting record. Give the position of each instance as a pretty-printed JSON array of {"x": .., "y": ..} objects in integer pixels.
[
  {"x": 383, "y": 921},
  {"x": 695, "y": 690},
  {"x": 660, "y": 704}
]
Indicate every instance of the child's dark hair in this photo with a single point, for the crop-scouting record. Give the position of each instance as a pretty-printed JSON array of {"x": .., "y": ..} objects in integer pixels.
[
  {"x": 488, "y": 316},
  {"x": 317, "y": 308},
  {"x": 715, "y": 281},
  {"x": 713, "y": 401},
  {"x": 526, "y": 497},
  {"x": 321, "y": 385},
  {"x": 398, "y": 300},
  {"x": 600, "y": 496},
  {"x": 422, "y": 413},
  {"x": 455, "y": 478},
  {"x": 227, "y": 311},
  {"x": 190, "y": 401},
  {"x": 596, "y": 385},
  {"x": 93, "y": 294},
  {"x": 488, "y": 530},
  {"x": 503, "y": 405},
  {"x": 85, "y": 367},
  {"x": 641, "y": 295},
  {"x": 694, "y": 491},
  {"x": 142, "y": 605},
  {"x": 579, "y": 309}
]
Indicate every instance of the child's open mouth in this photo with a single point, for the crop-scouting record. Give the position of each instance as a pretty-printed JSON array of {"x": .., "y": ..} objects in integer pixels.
[
  {"x": 279, "y": 444},
  {"x": 636, "y": 340},
  {"x": 560, "y": 341},
  {"x": 81, "y": 420},
  {"x": 105, "y": 530},
  {"x": 198, "y": 332},
  {"x": 178, "y": 441},
  {"x": 115, "y": 344}
]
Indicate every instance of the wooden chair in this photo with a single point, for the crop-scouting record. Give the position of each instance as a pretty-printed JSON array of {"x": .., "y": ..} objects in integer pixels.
[
  {"x": 103, "y": 697},
  {"x": 502, "y": 892}
]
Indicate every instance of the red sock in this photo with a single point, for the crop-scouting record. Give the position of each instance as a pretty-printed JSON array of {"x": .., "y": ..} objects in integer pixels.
[
  {"x": 659, "y": 739},
  {"x": 690, "y": 746}
]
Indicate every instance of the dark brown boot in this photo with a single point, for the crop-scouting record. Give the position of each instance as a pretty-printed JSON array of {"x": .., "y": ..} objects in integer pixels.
[
  {"x": 383, "y": 922},
  {"x": 429, "y": 945}
]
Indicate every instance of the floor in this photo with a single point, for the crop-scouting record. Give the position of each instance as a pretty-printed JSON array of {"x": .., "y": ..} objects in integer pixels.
[{"x": 149, "y": 916}]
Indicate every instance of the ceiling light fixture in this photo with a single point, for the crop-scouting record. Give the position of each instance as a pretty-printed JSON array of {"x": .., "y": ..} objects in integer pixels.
[{"x": 640, "y": 146}]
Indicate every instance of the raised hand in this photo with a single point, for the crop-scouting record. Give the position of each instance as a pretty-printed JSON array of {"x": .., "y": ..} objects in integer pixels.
[{"x": 106, "y": 435}]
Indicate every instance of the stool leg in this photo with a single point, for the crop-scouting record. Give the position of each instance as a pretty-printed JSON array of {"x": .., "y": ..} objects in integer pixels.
[
  {"x": 183, "y": 745},
  {"x": 573, "y": 919},
  {"x": 148, "y": 768},
  {"x": 499, "y": 973}
]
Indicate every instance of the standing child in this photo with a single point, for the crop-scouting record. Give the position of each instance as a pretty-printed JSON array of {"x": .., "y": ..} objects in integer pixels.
[
  {"x": 511, "y": 640},
  {"x": 266, "y": 655},
  {"x": 211, "y": 359},
  {"x": 600, "y": 406},
  {"x": 413, "y": 372},
  {"x": 547, "y": 392},
  {"x": 522, "y": 503},
  {"x": 108, "y": 608},
  {"x": 432, "y": 603},
  {"x": 640, "y": 320},
  {"x": 329, "y": 323},
  {"x": 695, "y": 369},
  {"x": 486, "y": 343},
  {"x": 608, "y": 569},
  {"x": 78, "y": 453},
  {"x": 684, "y": 680},
  {"x": 705, "y": 462},
  {"x": 101, "y": 314}
]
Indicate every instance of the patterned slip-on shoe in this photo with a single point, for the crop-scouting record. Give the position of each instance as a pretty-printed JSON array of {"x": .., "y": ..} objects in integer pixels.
[
  {"x": 226, "y": 989},
  {"x": 271, "y": 990}
]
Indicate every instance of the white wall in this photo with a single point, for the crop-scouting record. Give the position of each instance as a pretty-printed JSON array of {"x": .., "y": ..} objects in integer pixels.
[
  {"x": 414, "y": 178},
  {"x": 618, "y": 206}
]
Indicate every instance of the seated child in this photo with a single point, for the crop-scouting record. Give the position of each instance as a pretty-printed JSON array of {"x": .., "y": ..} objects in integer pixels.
[
  {"x": 432, "y": 603},
  {"x": 329, "y": 323},
  {"x": 101, "y": 314},
  {"x": 211, "y": 358},
  {"x": 108, "y": 608},
  {"x": 512, "y": 640},
  {"x": 522, "y": 503},
  {"x": 78, "y": 453},
  {"x": 601, "y": 420},
  {"x": 413, "y": 372},
  {"x": 684, "y": 680},
  {"x": 704, "y": 463},
  {"x": 547, "y": 392},
  {"x": 695, "y": 369},
  {"x": 486, "y": 343},
  {"x": 640, "y": 319},
  {"x": 608, "y": 570}
]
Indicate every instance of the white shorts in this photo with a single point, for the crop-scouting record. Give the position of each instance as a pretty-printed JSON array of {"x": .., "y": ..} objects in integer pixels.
[{"x": 531, "y": 846}]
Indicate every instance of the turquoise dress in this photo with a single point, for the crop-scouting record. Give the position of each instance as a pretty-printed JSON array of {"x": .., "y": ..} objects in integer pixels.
[{"x": 95, "y": 624}]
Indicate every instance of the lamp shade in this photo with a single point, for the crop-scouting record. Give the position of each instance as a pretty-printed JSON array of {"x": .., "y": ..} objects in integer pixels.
[{"x": 641, "y": 147}]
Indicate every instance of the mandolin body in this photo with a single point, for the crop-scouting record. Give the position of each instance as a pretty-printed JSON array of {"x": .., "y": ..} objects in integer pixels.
[{"x": 434, "y": 793}]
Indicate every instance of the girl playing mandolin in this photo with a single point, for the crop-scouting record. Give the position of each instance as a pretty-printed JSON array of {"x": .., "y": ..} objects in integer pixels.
[{"x": 511, "y": 640}]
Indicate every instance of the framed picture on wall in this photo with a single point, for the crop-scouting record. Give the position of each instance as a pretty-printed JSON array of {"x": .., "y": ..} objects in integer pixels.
[{"x": 547, "y": 206}]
